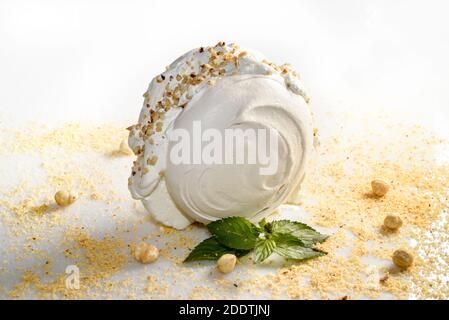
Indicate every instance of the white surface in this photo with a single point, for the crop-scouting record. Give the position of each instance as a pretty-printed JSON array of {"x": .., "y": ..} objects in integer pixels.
[{"x": 63, "y": 61}]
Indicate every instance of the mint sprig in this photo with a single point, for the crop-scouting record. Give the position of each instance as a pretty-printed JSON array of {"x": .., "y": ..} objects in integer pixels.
[
  {"x": 291, "y": 247},
  {"x": 211, "y": 249},
  {"x": 237, "y": 235},
  {"x": 263, "y": 249},
  {"x": 306, "y": 234},
  {"x": 235, "y": 232}
]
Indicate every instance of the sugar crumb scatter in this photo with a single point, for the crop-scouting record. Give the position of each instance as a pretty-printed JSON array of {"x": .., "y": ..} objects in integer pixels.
[{"x": 46, "y": 245}]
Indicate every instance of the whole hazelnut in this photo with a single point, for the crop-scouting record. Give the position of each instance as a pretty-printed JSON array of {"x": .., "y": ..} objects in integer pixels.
[
  {"x": 146, "y": 253},
  {"x": 226, "y": 263},
  {"x": 393, "y": 221},
  {"x": 402, "y": 258},
  {"x": 65, "y": 198},
  {"x": 380, "y": 187}
]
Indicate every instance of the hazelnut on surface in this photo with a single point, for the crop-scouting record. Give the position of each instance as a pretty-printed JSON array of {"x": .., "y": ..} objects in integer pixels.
[
  {"x": 65, "y": 198},
  {"x": 146, "y": 253},
  {"x": 393, "y": 221},
  {"x": 402, "y": 258},
  {"x": 226, "y": 263},
  {"x": 380, "y": 187}
]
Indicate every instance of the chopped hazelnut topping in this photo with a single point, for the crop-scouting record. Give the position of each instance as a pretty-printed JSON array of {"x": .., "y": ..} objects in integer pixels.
[{"x": 152, "y": 161}]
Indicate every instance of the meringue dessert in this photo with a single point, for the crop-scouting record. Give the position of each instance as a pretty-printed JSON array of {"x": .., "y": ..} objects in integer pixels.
[{"x": 217, "y": 89}]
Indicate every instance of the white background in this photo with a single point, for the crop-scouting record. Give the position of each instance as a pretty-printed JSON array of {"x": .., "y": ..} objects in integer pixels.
[{"x": 92, "y": 60}]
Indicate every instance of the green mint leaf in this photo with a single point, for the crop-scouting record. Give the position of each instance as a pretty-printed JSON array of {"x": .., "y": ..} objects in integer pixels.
[
  {"x": 291, "y": 247},
  {"x": 306, "y": 234},
  {"x": 264, "y": 248},
  {"x": 262, "y": 224},
  {"x": 211, "y": 249},
  {"x": 235, "y": 232}
]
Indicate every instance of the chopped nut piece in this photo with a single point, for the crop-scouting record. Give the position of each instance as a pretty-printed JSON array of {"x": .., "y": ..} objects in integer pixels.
[
  {"x": 154, "y": 116},
  {"x": 206, "y": 66},
  {"x": 383, "y": 279},
  {"x": 380, "y": 187},
  {"x": 146, "y": 253},
  {"x": 393, "y": 221},
  {"x": 226, "y": 263},
  {"x": 64, "y": 198},
  {"x": 96, "y": 196},
  {"x": 152, "y": 161},
  {"x": 402, "y": 258}
]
